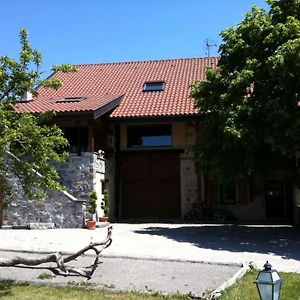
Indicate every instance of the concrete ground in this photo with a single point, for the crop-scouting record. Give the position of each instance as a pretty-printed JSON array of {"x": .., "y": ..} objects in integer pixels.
[
  {"x": 167, "y": 257},
  {"x": 127, "y": 274}
]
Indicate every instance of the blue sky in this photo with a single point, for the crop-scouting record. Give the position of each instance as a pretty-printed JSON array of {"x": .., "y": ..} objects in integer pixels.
[{"x": 94, "y": 31}]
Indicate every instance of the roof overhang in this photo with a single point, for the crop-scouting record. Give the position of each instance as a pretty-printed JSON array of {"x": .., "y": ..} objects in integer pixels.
[
  {"x": 87, "y": 108},
  {"x": 156, "y": 119},
  {"x": 107, "y": 107}
]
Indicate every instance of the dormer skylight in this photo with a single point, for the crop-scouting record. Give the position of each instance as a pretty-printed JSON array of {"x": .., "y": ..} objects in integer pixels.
[
  {"x": 154, "y": 86},
  {"x": 71, "y": 99}
]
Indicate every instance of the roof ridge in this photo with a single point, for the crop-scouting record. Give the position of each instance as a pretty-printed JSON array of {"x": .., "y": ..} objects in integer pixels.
[{"x": 145, "y": 61}]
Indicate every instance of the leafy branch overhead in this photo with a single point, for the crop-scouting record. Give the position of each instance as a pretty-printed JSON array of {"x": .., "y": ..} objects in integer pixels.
[
  {"x": 250, "y": 103},
  {"x": 33, "y": 141}
]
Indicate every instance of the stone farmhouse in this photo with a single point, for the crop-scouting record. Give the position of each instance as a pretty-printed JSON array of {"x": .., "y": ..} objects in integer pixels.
[{"x": 131, "y": 126}]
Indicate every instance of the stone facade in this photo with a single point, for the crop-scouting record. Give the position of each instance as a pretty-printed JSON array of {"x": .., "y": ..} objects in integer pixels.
[
  {"x": 189, "y": 178},
  {"x": 80, "y": 175},
  {"x": 189, "y": 187}
]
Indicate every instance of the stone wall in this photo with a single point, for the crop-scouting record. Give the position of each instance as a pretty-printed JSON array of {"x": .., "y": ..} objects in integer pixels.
[
  {"x": 189, "y": 187},
  {"x": 78, "y": 174},
  {"x": 189, "y": 178}
]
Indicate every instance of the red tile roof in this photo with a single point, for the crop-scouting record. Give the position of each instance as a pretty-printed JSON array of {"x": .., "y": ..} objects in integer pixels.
[
  {"x": 98, "y": 82},
  {"x": 63, "y": 104}
]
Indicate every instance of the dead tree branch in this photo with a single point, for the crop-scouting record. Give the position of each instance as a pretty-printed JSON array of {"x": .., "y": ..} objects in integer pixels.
[{"x": 61, "y": 261}]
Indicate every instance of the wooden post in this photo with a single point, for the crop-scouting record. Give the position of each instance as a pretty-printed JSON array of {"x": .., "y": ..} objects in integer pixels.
[
  {"x": 213, "y": 192},
  {"x": 91, "y": 137},
  {"x": 200, "y": 194},
  {"x": 243, "y": 191}
]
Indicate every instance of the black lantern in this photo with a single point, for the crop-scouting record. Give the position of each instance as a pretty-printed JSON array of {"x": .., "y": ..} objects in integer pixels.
[{"x": 268, "y": 283}]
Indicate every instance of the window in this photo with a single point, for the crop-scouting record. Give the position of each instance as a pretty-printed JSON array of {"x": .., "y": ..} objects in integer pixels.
[
  {"x": 228, "y": 193},
  {"x": 77, "y": 138},
  {"x": 71, "y": 99},
  {"x": 149, "y": 136},
  {"x": 153, "y": 86}
]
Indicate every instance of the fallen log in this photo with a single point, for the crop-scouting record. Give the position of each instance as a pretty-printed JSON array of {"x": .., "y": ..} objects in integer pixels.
[{"x": 61, "y": 261}]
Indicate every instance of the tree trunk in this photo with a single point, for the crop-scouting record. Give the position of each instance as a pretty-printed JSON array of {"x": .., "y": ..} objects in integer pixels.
[{"x": 61, "y": 261}]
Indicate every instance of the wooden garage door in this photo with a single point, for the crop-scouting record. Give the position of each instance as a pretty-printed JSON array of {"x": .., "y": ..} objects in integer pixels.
[{"x": 150, "y": 185}]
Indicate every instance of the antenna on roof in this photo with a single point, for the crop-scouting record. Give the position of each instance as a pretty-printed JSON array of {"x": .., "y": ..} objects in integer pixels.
[{"x": 208, "y": 45}]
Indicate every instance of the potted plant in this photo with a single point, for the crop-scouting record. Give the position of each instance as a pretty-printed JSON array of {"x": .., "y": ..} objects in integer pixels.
[
  {"x": 105, "y": 206},
  {"x": 91, "y": 223}
]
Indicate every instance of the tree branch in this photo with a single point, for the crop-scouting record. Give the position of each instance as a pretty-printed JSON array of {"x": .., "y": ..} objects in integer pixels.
[{"x": 60, "y": 261}]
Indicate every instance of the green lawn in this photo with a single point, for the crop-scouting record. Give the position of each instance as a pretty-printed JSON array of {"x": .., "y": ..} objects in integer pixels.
[
  {"x": 12, "y": 291},
  {"x": 245, "y": 289}
]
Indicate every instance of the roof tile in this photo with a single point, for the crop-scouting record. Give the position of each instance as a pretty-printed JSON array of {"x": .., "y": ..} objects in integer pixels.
[{"x": 102, "y": 83}]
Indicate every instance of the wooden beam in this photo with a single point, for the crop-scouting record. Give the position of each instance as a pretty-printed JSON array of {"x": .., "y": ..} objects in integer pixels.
[
  {"x": 201, "y": 197},
  {"x": 91, "y": 137}
]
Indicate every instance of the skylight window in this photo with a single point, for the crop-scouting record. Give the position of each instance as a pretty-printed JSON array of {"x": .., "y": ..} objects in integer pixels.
[
  {"x": 152, "y": 86},
  {"x": 71, "y": 99}
]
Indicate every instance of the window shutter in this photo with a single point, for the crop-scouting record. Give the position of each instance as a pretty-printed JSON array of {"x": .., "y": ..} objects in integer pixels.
[
  {"x": 251, "y": 191},
  {"x": 212, "y": 193},
  {"x": 243, "y": 192}
]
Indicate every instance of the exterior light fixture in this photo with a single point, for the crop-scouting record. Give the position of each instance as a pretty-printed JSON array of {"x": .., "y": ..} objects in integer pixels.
[{"x": 268, "y": 283}]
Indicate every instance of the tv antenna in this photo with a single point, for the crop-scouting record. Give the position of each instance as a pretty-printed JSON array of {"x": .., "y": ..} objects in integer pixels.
[{"x": 208, "y": 45}]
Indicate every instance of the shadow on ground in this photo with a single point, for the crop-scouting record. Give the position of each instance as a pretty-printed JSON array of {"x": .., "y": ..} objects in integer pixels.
[{"x": 282, "y": 241}]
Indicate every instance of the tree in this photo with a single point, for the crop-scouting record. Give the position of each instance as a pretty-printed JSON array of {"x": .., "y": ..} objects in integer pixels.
[
  {"x": 27, "y": 143},
  {"x": 250, "y": 103}
]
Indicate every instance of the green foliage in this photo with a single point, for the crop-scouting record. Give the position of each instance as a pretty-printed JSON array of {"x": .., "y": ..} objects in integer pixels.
[
  {"x": 245, "y": 288},
  {"x": 249, "y": 104},
  {"x": 105, "y": 205},
  {"x": 77, "y": 291},
  {"x": 92, "y": 205},
  {"x": 64, "y": 68},
  {"x": 28, "y": 143},
  {"x": 45, "y": 276}
]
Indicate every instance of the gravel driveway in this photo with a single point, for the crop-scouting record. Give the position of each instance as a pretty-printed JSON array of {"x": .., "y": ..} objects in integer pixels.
[
  {"x": 187, "y": 242},
  {"x": 166, "y": 257}
]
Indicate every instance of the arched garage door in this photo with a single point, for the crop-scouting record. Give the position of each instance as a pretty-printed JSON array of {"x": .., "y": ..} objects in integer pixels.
[{"x": 150, "y": 185}]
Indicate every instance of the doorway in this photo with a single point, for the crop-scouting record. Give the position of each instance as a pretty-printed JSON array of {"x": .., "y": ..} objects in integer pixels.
[
  {"x": 274, "y": 199},
  {"x": 150, "y": 185}
]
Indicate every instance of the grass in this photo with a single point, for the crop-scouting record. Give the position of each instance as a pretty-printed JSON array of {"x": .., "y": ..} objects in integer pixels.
[
  {"x": 45, "y": 276},
  {"x": 10, "y": 290},
  {"x": 245, "y": 288}
]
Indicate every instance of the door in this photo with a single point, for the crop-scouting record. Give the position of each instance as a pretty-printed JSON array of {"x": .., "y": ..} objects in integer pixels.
[
  {"x": 274, "y": 198},
  {"x": 150, "y": 185}
]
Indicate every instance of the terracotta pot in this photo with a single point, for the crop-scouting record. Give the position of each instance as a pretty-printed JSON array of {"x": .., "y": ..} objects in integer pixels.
[
  {"x": 91, "y": 224},
  {"x": 103, "y": 219}
]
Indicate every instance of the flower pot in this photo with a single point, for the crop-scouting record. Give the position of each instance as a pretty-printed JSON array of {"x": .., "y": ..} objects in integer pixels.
[
  {"x": 103, "y": 219},
  {"x": 91, "y": 224}
]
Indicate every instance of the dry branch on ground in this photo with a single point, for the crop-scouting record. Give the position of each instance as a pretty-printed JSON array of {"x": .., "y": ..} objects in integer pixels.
[{"x": 61, "y": 261}]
